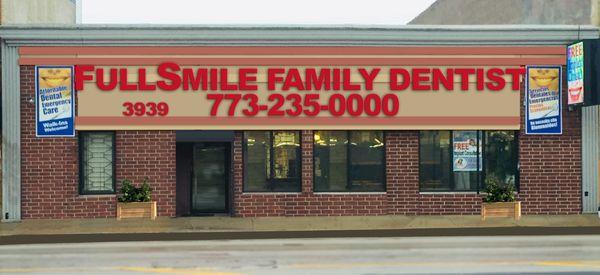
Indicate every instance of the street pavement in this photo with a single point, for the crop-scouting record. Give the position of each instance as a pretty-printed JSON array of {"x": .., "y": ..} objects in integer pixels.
[{"x": 392, "y": 255}]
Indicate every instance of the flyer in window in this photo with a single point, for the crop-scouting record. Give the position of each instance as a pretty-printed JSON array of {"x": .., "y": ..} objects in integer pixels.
[{"x": 465, "y": 150}]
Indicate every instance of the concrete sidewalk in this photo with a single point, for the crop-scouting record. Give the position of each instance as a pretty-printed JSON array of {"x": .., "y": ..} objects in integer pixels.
[{"x": 283, "y": 224}]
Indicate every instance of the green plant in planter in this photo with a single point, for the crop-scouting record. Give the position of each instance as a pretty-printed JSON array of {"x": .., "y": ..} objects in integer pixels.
[
  {"x": 130, "y": 193},
  {"x": 497, "y": 193}
]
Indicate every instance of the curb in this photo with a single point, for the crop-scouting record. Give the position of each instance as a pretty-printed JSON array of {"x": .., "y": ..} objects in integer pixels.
[{"x": 248, "y": 235}]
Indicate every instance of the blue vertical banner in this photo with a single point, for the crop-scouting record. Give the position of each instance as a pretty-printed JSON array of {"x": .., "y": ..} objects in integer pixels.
[
  {"x": 543, "y": 100},
  {"x": 54, "y": 101}
]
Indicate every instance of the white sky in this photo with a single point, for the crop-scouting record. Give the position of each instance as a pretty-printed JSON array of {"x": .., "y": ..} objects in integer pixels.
[{"x": 364, "y": 12}]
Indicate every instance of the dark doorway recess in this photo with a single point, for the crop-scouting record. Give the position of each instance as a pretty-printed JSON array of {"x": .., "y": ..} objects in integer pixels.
[{"x": 203, "y": 178}]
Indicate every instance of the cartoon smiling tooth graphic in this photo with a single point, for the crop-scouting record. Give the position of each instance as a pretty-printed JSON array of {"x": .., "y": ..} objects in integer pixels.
[
  {"x": 544, "y": 78},
  {"x": 56, "y": 77}
]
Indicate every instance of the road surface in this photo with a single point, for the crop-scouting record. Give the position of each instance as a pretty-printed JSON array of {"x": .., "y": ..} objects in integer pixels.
[{"x": 394, "y": 255}]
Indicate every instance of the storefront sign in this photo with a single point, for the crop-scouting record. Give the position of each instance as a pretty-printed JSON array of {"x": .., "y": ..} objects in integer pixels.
[
  {"x": 543, "y": 113},
  {"x": 254, "y": 88},
  {"x": 575, "y": 75},
  {"x": 292, "y": 97},
  {"x": 55, "y": 102},
  {"x": 465, "y": 151}
]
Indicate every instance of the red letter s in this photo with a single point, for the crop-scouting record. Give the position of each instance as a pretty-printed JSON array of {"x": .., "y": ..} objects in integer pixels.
[{"x": 166, "y": 70}]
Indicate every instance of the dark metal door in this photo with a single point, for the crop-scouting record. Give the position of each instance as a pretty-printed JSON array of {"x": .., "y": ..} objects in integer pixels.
[{"x": 210, "y": 178}]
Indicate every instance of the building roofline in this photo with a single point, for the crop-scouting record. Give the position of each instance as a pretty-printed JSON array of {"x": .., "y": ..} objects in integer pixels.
[
  {"x": 285, "y": 26},
  {"x": 296, "y": 34}
]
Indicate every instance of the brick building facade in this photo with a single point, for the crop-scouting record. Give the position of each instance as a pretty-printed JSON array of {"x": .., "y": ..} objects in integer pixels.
[
  {"x": 42, "y": 177},
  {"x": 51, "y": 183},
  {"x": 550, "y": 176}
]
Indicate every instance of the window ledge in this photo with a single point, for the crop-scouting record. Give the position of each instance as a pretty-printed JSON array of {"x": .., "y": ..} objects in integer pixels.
[
  {"x": 458, "y": 193},
  {"x": 97, "y": 196},
  {"x": 271, "y": 193},
  {"x": 349, "y": 193},
  {"x": 451, "y": 193}
]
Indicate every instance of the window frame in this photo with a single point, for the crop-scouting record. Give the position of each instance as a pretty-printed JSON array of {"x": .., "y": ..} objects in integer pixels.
[
  {"x": 270, "y": 179},
  {"x": 348, "y": 156},
  {"x": 80, "y": 146},
  {"x": 482, "y": 174}
]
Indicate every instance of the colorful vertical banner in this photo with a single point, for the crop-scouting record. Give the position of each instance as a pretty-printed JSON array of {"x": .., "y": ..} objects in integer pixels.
[
  {"x": 575, "y": 65},
  {"x": 54, "y": 101},
  {"x": 543, "y": 106},
  {"x": 465, "y": 152}
]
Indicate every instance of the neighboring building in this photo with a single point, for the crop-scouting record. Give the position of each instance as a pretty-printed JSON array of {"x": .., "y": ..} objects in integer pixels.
[
  {"x": 507, "y": 12},
  {"x": 154, "y": 116},
  {"x": 20, "y": 12}
]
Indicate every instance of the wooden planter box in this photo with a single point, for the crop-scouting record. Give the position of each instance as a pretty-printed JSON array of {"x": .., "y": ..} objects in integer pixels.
[
  {"x": 501, "y": 210},
  {"x": 127, "y": 210}
]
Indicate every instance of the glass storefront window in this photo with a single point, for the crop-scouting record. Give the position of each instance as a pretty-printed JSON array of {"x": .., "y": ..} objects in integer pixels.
[
  {"x": 331, "y": 161},
  {"x": 501, "y": 163},
  {"x": 367, "y": 165},
  {"x": 96, "y": 163},
  {"x": 349, "y": 161},
  {"x": 461, "y": 160},
  {"x": 272, "y": 161},
  {"x": 434, "y": 164}
]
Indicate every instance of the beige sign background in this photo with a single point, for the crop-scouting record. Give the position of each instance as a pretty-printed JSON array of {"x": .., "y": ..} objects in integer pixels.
[
  {"x": 456, "y": 109},
  {"x": 440, "y": 109}
]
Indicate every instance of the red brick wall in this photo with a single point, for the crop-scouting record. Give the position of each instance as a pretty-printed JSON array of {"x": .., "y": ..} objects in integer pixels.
[
  {"x": 402, "y": 149},
  {"x": 150, "y": 154},
  {"x": 49, "y": 169},
  {"x": 550, "y": 176},
  {"x": 551, "y": 167},
  {"x": 550, "y": 181},
  {"x": 402, "y": 197},
  {"x": 305, "y": 203}
]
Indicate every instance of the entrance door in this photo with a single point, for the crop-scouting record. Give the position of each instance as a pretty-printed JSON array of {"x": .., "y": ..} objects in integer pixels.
[{"x": 210, "y": 178}]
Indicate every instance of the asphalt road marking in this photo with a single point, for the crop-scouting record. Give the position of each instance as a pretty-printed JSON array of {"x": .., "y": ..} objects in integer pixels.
[
  {"x": 582, "y": 264},
  {"x": 594, "y": 264},
  {"x": 179, "y": 271},
  {"x": 160, "y": 270}
]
